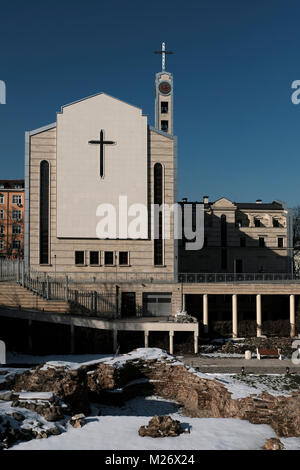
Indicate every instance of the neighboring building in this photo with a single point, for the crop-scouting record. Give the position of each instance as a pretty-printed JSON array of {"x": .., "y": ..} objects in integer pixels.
[
  {"x": 12, "y": 218},
  {"x": 241, "y": 238}
]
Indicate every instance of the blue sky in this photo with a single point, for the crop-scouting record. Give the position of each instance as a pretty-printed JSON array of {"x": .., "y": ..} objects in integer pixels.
[{"x": 233, "y": 66}]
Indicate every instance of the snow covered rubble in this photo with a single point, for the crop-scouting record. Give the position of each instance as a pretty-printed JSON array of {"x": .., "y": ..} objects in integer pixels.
[{"x": 117, "y": 381}]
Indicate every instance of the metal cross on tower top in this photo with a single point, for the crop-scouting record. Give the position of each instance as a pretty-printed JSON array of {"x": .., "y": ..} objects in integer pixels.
[{"x": 163, "y": 53}]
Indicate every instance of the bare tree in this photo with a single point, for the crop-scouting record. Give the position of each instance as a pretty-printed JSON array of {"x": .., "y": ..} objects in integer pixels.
[{"x": 296, "y": 224}]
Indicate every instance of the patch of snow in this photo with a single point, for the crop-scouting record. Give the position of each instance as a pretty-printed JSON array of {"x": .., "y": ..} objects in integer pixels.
[
  {"x": 35, "y": 396},
  {"x": 117, "y": 429},
  {"x": 223, "y": 355}
]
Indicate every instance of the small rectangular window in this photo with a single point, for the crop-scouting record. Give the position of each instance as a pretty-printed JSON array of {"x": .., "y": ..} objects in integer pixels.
[
  {"x": 79, "y": 257},
  {"x": 261, "y": 242},
  {"x": 276, "y": 223},
  {"x": 123, "y": 258},
  {"x": 16, "y": 244},
  {"x": 1, "y": 229},
  {"x": 1, "y": 244},
  {"x": 94, "y": 257},
  {"x": 17, "y": 199},
  {"x": 1, "y": 199},
  {"x": 108, "y": 257},
  {"x": 257, "y": 223},
  {"x": 164, "y": 107},
  {"x": 280, "y": 242},
  {"x": 165, "y": 126},
  {"x": 243, "y": 241},
  {"x": 16, "y": 229},
  {"x": 16, "y": 214},
  {"x": 2, "y": 214}
]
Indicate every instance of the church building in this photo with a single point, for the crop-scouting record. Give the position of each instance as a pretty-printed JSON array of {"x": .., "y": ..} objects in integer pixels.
[{"x": 102, "y": 152}]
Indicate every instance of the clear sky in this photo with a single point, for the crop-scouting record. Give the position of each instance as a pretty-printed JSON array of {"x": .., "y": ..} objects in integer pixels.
[{"x": 233, "y": 66}]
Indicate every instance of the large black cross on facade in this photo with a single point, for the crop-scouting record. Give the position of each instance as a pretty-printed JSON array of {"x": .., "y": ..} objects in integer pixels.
[{"x": 101, "y": 142}]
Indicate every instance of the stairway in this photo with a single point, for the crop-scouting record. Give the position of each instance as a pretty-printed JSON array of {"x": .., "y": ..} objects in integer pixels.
[{"x": 14, "y": 295}]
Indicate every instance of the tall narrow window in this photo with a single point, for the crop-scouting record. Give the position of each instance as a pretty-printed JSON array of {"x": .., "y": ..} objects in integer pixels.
[
  {"x": 223, "y": 258},
  {"x": 164, "y": 126},
  {"x": 158, "y": 199},
  {"x": 164, "y": 107},
  {"x": 44, "y": 212},
  {"x": 223, "y": 230}
]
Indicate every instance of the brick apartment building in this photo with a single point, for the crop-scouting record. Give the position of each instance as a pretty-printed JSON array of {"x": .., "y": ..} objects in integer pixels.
[{"x": 12, "y": 218}]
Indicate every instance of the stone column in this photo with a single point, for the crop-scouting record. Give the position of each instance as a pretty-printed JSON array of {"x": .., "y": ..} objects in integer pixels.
[
  {"x": 115, "y": 340},
  {"x": 72, "y": 339},
  {"x": 292, "y": 315},
  {"x": 258, "y": 316},
  {"x": 234, "y": 316},
  {"x": 205, "y": 312},
  {"x": 171, "y": 335},
  {"x": 195, "y": 343},
  {"x": 183, "y": 302},
  {"x": 146, "y": 339}
]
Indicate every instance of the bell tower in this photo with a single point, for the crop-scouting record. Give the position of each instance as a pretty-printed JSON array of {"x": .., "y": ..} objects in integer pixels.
[{"x": 164, "y": 95}]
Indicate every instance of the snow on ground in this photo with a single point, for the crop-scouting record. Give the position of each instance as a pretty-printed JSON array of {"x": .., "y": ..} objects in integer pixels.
[
  {"x": 223, "y": 355},
  {"x": 117, "y": 429},
  {"x": 117, "y": 361},
  {"x": 253, "y": 384},
  {"x": 32, "y": 419}
]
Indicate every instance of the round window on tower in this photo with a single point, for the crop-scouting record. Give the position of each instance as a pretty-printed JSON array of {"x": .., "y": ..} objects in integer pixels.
[{"x": 165, "y": 88}]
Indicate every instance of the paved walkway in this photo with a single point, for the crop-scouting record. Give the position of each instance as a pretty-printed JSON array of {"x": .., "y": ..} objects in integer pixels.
[{"x": 234, "y": 365}]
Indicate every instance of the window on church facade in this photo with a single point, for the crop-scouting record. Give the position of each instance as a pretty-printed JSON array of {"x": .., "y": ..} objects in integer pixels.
[
  {"x": 261, "y": 242},
  {"x": 223, "y": 230},
  {"x": 164, "y": 107},
  {"x": 79, "y": 257},
  {"x": 108, "y": 257},
  {"x": 44, "y": 212},
  {"x": 94, "y": 257},
  {"x": 158, "y": 199},
  {"x": 123, "y": 258},
  {"x": 165, "y": 126},
  {"x": 223, "y": 258},
  {"x": 276, "y": 223}
]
